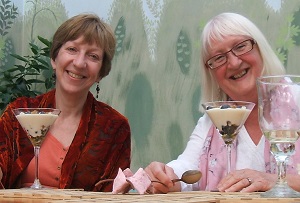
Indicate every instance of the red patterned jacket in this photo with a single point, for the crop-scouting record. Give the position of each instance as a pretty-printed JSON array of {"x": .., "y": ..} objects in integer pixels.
[{"x": 102, "y": 145}]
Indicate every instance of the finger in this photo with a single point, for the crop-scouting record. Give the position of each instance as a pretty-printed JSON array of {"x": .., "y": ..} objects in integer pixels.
[
  {"x": 153, "y": 169},
  {"x": 158, "y": 188},
  {"x": 227, "y": 182},
  {"x": 160, "y": 172},
  {"x": 165, "y": 175},
  {"x": 170, "y": 173},
  {"x": 251, "y": 188},
  {"x": 258, "y": 185},
  {"x": 238, "y": 186}
]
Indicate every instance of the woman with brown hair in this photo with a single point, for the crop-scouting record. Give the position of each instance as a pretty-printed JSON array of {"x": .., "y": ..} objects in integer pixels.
[{"x": 89, "y": 140}]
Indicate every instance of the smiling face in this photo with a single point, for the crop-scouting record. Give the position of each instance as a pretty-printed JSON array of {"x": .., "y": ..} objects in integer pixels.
[
  {"x": 77, "y": 66},
  {"x": 237, "y": 77}
]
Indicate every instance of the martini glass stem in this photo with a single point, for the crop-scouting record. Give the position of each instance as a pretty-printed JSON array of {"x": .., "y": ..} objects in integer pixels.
[
  {"x": 228, "y": 146},
  {"x": 281, "y": 188},
  {"x": 281, "y": 171},
  {"x": 36, "y": 184}
]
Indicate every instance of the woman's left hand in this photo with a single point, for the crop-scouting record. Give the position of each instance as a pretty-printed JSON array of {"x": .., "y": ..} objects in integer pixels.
[{"x": 247, "y": 180}]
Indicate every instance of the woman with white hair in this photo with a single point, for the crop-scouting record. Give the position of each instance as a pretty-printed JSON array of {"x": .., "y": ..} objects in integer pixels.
[{"x": 234, "y": 53}]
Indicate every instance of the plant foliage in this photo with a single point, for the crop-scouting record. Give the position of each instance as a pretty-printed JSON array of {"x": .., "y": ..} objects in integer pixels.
[{"x": 27, "y": 78}]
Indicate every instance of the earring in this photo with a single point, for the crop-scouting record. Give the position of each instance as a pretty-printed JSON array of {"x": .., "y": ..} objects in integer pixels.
[{"x": 97, "y": 90}]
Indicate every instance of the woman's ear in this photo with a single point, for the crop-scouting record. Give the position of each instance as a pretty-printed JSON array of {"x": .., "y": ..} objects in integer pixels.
[{"x": 53, "y": 64}]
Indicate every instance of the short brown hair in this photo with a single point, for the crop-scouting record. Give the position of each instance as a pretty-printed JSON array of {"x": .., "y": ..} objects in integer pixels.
[{"x": 94, "y": 30}]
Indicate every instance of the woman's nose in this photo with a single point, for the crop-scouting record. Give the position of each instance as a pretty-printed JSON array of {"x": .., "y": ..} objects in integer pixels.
[
  {"x": 80, "y": 61},
  {"x": 233, "y": 60}
]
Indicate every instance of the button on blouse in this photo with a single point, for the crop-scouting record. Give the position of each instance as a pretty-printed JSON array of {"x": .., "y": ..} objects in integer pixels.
[{"x": 52, "y": 154}]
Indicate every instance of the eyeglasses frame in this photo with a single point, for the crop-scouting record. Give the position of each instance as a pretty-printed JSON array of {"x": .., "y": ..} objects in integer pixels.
[{"x": 253, "y": 42}]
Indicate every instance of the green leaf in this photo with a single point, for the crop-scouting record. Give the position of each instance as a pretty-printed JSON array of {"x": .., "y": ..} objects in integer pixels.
[
  {"x": 35, "y": 81},
  {"x": 14, "y": 69},
  {"x": 43, "y": 61},
  {"x": 19, "y": 57},
  {"x": 21, "y": 68},
  {"x": 44, "y": 41}
]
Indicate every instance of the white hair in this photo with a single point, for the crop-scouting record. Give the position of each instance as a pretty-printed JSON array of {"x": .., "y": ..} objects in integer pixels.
[{"x": 232, "y": 24}]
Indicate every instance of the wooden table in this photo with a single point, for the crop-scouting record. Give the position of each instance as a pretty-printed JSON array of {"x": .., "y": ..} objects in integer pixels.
[{"x": 57, "y": 196}]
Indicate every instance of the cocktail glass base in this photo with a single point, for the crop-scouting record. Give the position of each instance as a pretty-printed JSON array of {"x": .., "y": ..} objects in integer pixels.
[
  {"x": 36, "y": 185},
  {"x": 282, "y": 190}
]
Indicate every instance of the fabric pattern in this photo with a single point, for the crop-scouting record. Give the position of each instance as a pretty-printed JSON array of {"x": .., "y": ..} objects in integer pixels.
[
  {"x": 213, "y": 160},
  {"x": 101, "y": 145}
]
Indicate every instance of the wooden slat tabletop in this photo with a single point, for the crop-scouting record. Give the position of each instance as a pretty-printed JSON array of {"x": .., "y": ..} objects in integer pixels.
[{"x": 57, "y": 196}]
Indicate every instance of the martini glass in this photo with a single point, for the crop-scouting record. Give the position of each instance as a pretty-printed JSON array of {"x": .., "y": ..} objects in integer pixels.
[
  {"x": 228, "y": 117},
  {"x": 279, "y": 119},
  {"x": 36, "y": 123}
]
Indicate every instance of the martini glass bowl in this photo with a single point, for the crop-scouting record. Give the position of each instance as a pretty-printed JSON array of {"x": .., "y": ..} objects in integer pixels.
[
  {"x": 228, "y": 117},
  {"x": 36, "y": 123},
  {"x": 279, "y": 120}
]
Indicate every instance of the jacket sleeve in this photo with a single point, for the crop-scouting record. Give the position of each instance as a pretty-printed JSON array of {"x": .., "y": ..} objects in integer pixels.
[
  {"x": 6, "y": 143},
  {"x": 120, "y": 156},
  {"x": 15, "y": 148}
]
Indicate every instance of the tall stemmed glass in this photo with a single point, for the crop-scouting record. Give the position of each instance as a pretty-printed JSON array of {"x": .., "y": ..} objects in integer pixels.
[
  {"x": 228, "y": 117},
  {"x": 36, "y": 123},
  {"x": 279, "y": 119}
]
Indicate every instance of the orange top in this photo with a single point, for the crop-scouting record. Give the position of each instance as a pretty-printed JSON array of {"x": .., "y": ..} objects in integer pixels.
[{"x": 51, "y": 157}]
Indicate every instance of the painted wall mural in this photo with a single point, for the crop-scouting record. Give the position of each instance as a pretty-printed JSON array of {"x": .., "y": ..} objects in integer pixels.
[{"x": 155, "y": 79}]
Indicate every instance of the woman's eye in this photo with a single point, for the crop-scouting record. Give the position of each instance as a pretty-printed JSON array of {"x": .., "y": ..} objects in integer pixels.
[
  {"x": 240, "y": 47},
  {"x": 94, "y": 57},
  {"x": 71, "y": 49},
  {"x": 219, "y": 58}
]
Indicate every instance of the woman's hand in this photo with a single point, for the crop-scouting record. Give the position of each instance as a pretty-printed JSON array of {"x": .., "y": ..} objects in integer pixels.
[
  {"x": 161, "y": 172},
  {"x": 293, "y": 181},
  {"x": 247, "y": 180}
]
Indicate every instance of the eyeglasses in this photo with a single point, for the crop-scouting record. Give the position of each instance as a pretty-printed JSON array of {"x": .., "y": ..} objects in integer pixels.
[{"x": 238, "y": 50}]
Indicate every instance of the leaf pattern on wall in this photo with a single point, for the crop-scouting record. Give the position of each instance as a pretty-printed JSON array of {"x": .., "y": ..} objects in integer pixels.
[
  {"x": 296, "y": 23},
  {"x": 8, "y": 13},
  {"x": 152, "y": 22},
  {"x": 175, "y": 139},
  {"x": 140, "y": 110},
  {"x": 120, "y": 32},
  {"x": 5, "y": 58},
  {"x": 287, "y": 38},
  {"x": 183, "y": 52}
]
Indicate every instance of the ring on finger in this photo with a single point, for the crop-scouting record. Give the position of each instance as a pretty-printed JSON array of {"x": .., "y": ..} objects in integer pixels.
[{"x": 249, "y": 180}]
